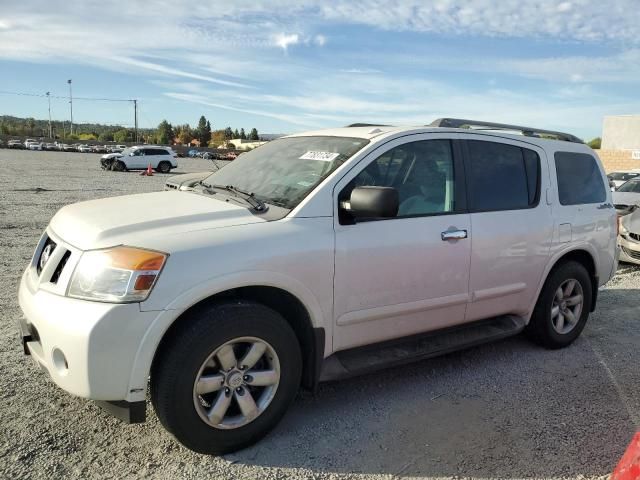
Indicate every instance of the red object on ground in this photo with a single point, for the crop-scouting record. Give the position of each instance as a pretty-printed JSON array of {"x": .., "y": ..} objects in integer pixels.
[
  {"x": 629, "y": 466},
  {"x": 148, "y": 172}
]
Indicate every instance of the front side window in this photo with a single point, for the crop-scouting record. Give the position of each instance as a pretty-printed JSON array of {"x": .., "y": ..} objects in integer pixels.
[
  {"x": 579, "y": 179},
  {"x": 501, "y": 176},
  {"x": 284, "y": 171},
  {"x": 422, "y": 173}
]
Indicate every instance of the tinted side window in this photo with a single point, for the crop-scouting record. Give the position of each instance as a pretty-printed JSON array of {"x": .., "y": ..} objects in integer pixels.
[
  {"x": 501, "y": 176},
  {"x": 422, "y": 172},
  {"x": 579, "y": 179}
]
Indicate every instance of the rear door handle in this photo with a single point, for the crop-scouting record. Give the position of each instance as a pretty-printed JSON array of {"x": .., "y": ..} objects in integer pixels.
[{"x": 453, "y": 235}]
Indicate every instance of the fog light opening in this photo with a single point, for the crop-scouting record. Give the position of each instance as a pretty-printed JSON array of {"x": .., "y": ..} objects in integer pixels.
[{"x": 60, "y": 362}]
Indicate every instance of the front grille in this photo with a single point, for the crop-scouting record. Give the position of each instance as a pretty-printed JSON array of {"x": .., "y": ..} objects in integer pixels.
[
  {"x": 58, "y": 271},
  {"x": 631, "y": 253},
  {"x": 47, "y": 251},
  {"x": 635, "y": 236}
]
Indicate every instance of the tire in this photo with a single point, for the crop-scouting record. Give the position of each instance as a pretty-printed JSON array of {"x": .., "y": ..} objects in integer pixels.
[
  {"x": 190, "y": 351},
  {"x": 118, "y": 166},
  {"x": 163, "y": 167},
  {"x": 545, "y": 327}
]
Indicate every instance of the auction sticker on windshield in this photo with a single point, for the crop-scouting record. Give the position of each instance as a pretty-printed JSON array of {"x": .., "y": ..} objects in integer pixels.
[{"x": 323, "y": 156}]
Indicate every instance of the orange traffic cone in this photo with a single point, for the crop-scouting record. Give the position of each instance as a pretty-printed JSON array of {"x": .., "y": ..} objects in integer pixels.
[{"x": 148, "y": 172}]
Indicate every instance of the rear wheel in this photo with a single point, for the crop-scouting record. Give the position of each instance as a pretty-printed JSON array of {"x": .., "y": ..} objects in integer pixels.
[
  {"x": 226, "y": 376},
  {"x": 164, "y": 167},
  {"x": 563, "y": 306}
]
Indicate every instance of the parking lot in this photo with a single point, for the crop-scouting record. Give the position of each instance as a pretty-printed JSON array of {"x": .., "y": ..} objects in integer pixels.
[{"x": 505, "y": 410}]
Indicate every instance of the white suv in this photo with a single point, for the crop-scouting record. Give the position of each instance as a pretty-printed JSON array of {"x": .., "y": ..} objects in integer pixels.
[
  {"x": 162, "y": 159},
  {"x": 314, "y": 257}
]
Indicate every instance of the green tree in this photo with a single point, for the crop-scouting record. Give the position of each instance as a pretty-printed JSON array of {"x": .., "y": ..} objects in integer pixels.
[
  {"x": 164, "y": 133},
  {"x": 236, "y": 133},
  {"x": 243, "y": 135},
  {"x": 595, "y": 143},
  {"x": 254, "y": 135},
  {"x": 123, "y": 135},
  {"x": 203, "y": 131},
  {"x": 30, "y": 124},
  {"x": 228, "y": 133},
  {"x": 106, "y": 137}
]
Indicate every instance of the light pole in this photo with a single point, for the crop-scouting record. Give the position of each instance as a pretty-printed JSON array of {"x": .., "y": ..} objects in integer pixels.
[
  {"x": 49, "y": 100},
  {"x": 70, "y": 107}
]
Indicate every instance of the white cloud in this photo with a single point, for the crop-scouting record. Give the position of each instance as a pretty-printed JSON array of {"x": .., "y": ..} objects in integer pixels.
[
  {"x": 320, "y": 40},
  {"x": 283, "y": 40}
]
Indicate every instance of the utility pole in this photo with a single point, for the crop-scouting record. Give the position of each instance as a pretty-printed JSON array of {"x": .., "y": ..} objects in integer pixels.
[
  {"x": 135, "y": 117},
  {"x": 70, "y": 107},
  {"x": 49, "y": 100}
]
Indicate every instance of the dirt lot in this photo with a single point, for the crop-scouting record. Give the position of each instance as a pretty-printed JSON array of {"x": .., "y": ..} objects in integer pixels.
[{"x": 506, "y": 410}]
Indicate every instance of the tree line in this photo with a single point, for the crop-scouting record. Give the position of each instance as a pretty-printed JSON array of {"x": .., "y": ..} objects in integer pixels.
[
  {"x": 203, "y": 133},
  {"x": 164, "y": 134}
]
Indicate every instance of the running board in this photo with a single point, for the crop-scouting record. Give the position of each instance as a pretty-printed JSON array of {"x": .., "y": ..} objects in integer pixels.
[{"x": 418, "y": 347}]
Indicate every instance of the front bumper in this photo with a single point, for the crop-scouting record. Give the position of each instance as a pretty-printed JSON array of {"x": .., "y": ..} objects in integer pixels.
[
  {"x": 87, "y": 348},
  {"x": 629, "y": 250}
]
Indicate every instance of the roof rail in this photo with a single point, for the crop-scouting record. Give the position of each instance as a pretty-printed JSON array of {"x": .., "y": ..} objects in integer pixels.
[
  {"x": 366, "y": 125},
  {"x": 526, "y": 131}
]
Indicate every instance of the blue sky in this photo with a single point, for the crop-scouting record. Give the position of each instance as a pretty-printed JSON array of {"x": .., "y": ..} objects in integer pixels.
[{"x": 286, "y": 66}]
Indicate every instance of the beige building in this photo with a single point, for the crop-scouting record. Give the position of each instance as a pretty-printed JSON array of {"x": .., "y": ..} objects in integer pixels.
[
  {"x": 620, "y": 148},
  {"x": 243, "y": 144}
]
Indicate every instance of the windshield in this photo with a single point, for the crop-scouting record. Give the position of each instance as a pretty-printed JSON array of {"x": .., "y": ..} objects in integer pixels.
[
  {"x": 284, "y": 171},
  {"x": 127, "y": 151},
  {"x": 630, "y": 186},
  {"x": 622, "y": 175}
]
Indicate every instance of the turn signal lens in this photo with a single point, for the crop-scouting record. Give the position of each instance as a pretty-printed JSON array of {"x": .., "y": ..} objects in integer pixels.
[{"x": 119, "y": 274}]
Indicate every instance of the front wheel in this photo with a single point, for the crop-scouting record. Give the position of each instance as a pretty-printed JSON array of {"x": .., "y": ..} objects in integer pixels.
[
  {"x": 118, "y": 166},
  {"x": 226, "y": 376},
  {"x": 563, "y": 307}
]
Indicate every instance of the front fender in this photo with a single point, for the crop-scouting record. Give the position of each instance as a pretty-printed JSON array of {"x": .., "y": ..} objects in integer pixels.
[{"x": 165, "y": 318}]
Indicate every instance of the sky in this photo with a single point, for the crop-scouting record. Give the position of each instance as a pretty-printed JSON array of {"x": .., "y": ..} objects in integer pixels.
[{"x": 286, "y": 66}]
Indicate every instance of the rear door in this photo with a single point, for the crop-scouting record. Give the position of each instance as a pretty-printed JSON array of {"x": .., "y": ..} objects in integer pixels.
[{"x": 511, "y": 222}]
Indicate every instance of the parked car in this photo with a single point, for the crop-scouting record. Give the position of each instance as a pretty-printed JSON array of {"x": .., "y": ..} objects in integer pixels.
[
  {"x": 186, "y": 181},
  {"x": 29, "y": 141},
  {"x": 619, "y": 178},
  {"x": 49, "y": 146},
  {"x": 629, "y": 237},
  {"x": 193, "y": 153},
  {"x": 69, "y": 148},
  {"x": 17, "y": 144},
  {"x": 84, "y": 148},
  {"x": 34, "y": 145},
  {"x": 626, "y": 195},
  {"x": 162, "y": 159},
  {"x": 314, "y": 257}
]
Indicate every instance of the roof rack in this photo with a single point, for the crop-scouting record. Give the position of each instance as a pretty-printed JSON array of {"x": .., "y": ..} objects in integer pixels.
[
  {"x": 366, "y": 125},
  {"x": 526, "y": 131}
]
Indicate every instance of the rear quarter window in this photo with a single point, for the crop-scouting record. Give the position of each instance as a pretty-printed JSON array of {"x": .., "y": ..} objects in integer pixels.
[{"x": 579, "y": 179}]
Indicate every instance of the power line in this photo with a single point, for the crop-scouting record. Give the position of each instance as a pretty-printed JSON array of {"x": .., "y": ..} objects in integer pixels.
[{"x": 22, "y": 94}]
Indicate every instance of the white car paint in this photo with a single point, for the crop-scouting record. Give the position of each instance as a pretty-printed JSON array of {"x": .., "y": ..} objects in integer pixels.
[
  {"x": 376, "y": 282},
  {"x": 140, "y": 157}
]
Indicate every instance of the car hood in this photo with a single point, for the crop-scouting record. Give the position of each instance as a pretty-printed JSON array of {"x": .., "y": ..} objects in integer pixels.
[
  {"x": 112, "y": 155},
  {"x": 625, "y": 198},
  {"x": 187, "y": 179},
  {"x": 632, "y": 221},
  {"x": 137, "y": 219}
]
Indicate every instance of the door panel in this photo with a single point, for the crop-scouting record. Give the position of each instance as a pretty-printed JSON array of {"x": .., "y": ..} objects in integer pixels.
[
  {"x": 511, "y": 239},
  {"x": 397, "y": 277}
]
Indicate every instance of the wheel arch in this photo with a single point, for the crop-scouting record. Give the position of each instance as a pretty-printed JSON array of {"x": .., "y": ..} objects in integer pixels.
[
  {"x": 580, "y": 254},
  {"x": 302, "y": 313}
]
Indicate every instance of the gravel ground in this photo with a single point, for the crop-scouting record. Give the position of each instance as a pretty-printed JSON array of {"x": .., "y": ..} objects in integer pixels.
[{"x": 506, "y": 410}]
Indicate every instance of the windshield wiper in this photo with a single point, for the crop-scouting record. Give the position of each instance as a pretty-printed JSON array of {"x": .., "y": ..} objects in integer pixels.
[{"x": 250, "y": 198}]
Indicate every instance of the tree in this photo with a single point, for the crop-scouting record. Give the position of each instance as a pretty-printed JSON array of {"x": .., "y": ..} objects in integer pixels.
[
  {"x": 30, "y": 124},
  {"x": 243, "y": 135},
  {"x": 236, "y": 133},
  {"x": 123, "y": 135},
  {"x": 595, "y": 143},
  {"x": 228, "y": 133},
  {"x": 254, "y": 135},
  {"x": 106, "y": 137},
  {"x": 203, "y": 131},
  {"x": 164, "y": 133}
]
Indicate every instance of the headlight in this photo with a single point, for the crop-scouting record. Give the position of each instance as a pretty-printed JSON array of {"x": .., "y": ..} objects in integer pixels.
[{"x": 119, "y": 274}]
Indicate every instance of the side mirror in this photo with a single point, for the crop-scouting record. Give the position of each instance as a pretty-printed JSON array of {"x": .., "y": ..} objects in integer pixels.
[{"x": 374, "y": 202}]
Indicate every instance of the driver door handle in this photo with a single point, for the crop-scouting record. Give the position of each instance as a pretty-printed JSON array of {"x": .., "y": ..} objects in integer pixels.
[{"x": 453, "y": 235}]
